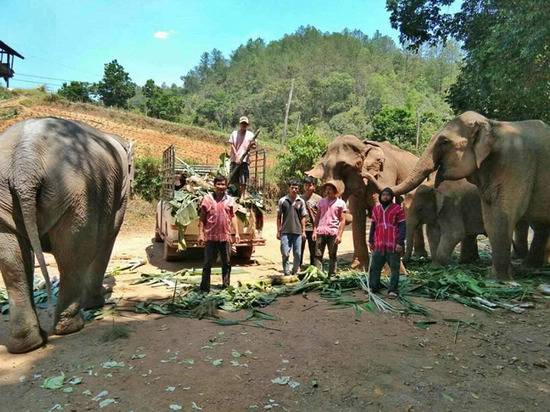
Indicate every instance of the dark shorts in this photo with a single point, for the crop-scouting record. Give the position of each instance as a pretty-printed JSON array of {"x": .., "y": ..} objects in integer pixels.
[{"x": 242, "y": 174}]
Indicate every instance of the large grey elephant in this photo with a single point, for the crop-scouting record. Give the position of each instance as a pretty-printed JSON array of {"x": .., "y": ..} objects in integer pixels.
[
  {"x": 345, "y": 159},
  {"x": 508, "y": 162},
  {"x": 63, "y": 190},
  {"x": 452, "y": 215}
]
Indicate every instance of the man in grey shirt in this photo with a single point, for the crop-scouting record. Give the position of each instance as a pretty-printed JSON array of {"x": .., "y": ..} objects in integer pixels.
[{"x": 291, "y": 226}]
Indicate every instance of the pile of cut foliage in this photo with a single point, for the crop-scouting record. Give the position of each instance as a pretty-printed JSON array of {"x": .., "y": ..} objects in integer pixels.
[{"x": 462, "y": 284}]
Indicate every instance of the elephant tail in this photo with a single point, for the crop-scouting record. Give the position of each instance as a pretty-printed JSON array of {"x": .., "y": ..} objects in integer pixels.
[{"x": 28, "y": 211}]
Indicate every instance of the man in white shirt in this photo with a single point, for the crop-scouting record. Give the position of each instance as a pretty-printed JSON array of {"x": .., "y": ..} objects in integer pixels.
[{"x": 238, "y": 142}]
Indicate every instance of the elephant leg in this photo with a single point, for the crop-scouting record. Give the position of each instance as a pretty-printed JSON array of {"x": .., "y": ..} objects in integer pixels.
[
  {"x": 433, "y": 233},
  {"x": 468, "y": 249},
  {"x": 17, "y": 267},
  {"x": 359, "y": 230},
  {"x": 537, "y": 251},
  {"x": 419, "y": 244},
  {"x": 93, "y": 296},
  {"x": 519, "y": 245},
  {"x": 74, "y": 255},
  {"x": 500, "y": 228}
]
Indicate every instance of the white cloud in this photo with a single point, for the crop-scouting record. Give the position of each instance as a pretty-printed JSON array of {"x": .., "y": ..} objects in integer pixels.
[{"x": 162, "y": 35}]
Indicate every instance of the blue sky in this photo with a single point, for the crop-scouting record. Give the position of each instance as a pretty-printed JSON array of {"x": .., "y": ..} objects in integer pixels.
[{"x": 158, "y": 39}]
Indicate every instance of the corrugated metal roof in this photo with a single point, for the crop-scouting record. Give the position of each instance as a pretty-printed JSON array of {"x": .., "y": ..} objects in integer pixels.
[{"x": 6, "y": 48}]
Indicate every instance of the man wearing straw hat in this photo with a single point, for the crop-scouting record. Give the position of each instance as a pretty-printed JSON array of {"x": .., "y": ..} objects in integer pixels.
[{"x": 329, "y": 224}]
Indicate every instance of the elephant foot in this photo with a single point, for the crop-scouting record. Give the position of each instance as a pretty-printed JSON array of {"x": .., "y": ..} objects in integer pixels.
[
  {"x": 356, "y": 264},
  {"x": 501, "y": 276},
  {"x": 28, "y": 342},
  {"x": 93, "y": 302},
  {"x": 66, "y": 325}
]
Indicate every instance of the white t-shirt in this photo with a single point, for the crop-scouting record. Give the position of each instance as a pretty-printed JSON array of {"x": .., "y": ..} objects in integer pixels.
[{"x": 239, "y": 145}]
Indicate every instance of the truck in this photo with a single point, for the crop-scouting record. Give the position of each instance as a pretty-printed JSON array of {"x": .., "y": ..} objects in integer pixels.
[{"x": 177, "y": 175}]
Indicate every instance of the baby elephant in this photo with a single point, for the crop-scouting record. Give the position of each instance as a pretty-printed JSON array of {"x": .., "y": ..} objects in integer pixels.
[
  {"x": 452, "y": 214},
  {"x": 63, "y": 190}
]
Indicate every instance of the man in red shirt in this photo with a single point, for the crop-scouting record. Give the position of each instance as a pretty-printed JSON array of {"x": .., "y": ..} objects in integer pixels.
[
  {"x": 386, "y": 241},
  {"x": 217, "y": 217}
]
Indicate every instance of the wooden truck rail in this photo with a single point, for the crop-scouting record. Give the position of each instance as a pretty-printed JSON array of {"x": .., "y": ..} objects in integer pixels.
[{"x": 166, "y": 230}]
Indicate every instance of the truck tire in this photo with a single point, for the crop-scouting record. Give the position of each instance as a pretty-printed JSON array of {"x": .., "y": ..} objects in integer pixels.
[
  {"x": 170, "y": 253},
  {"x": 245, "y": 252}
]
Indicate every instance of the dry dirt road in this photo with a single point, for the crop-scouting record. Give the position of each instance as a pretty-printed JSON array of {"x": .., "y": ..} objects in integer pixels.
[{"x": 342, "y": 363}]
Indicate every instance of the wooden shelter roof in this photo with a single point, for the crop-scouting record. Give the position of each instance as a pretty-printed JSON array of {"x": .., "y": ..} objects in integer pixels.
[{"x": 8, "y": 49}]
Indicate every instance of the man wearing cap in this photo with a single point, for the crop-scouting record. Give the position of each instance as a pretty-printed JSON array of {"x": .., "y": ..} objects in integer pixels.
[
  {"x": 238, "y": 142},
  {"x": 329, "y": 224},
  {"x": 386, "y": 241}
]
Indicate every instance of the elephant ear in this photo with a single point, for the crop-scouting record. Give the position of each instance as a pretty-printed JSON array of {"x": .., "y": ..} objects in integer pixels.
[
  {"x": 380, "y": 163},
  {"x": 483, "y": 140}
]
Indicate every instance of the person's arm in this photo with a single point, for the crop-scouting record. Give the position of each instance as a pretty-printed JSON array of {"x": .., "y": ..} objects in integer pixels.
[
  {"x": 342, "y": 225},
  {"x": 303, "y": 219},
  {"x": 371, "y": 234},
  {"x": 279, "y": 219}
]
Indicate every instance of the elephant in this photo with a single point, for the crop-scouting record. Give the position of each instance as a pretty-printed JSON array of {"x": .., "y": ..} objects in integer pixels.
[
  {"x": 452, "y": 214},
  {"x": 345, "y": 159},
  {"x": 64, "y": 187},
  {"x": 508, "y": 162}
]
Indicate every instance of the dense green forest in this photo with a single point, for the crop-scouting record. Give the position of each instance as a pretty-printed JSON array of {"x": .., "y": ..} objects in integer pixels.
[{"x": 341, "y": 83}]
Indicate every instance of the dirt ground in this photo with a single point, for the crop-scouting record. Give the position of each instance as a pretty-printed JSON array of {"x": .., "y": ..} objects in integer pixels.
[{"x": 342, "y": 363}]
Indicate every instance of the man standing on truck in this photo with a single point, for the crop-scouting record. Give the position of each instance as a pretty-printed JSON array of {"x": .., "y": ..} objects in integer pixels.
[
  {"x": 291, "y": 226},
  {"x": 217, "y": 216},
  {"x": 238, "y": 142}
]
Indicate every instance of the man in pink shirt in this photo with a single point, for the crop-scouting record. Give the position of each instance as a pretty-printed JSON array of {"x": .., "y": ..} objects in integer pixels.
[
  {"x": 238, "y": 142},
  {"x": 217, "y": 218},
  {"x": 329, "y": 225}
]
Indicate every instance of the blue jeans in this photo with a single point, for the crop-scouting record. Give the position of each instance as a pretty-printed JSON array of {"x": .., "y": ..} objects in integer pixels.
[
  {"x": 291, "y": 241},
  {"x": 378, "y": 259}
]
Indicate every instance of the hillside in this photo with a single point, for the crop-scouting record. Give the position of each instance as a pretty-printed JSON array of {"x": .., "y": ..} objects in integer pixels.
[{"x": 151, "y": 136}]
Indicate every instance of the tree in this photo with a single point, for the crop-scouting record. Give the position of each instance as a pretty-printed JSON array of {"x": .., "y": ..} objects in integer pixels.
[
  {"x": 76, "y": 91},
  {"x": 506, "y": 72},
  {"x": 397, "y": 125},
  {"x": 116, "y": 87},
  {"x": 303, "y": 151}
]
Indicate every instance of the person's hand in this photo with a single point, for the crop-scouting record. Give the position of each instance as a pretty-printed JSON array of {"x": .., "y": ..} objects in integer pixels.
[
  {"x": 200, "y": 239},
  {"x": 338, "y": 240},
  {"x": 314, "y": 236},
  {"x": 399, "y": 249},
  {"x": 237, "y": 238},
  {"x": 278, "y": 235},
  {"x": 371, "y": 247},
  {"x": 303, "y": 235}
]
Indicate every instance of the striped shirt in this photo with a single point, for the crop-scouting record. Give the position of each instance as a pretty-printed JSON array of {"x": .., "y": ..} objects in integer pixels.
[{"x": 386, "y": 224}]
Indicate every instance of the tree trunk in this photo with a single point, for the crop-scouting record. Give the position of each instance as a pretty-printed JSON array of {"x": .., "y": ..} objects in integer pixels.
[{"x": 287, "y": 111}]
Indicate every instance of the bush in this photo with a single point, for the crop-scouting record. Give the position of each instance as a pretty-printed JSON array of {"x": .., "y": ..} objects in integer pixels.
[
  {"x": 303, "y": 151},
  {"x": 147, "y": 177}
]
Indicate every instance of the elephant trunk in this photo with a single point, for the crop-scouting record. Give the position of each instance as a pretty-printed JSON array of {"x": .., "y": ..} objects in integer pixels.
[{"x": 421, "y": 170}]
